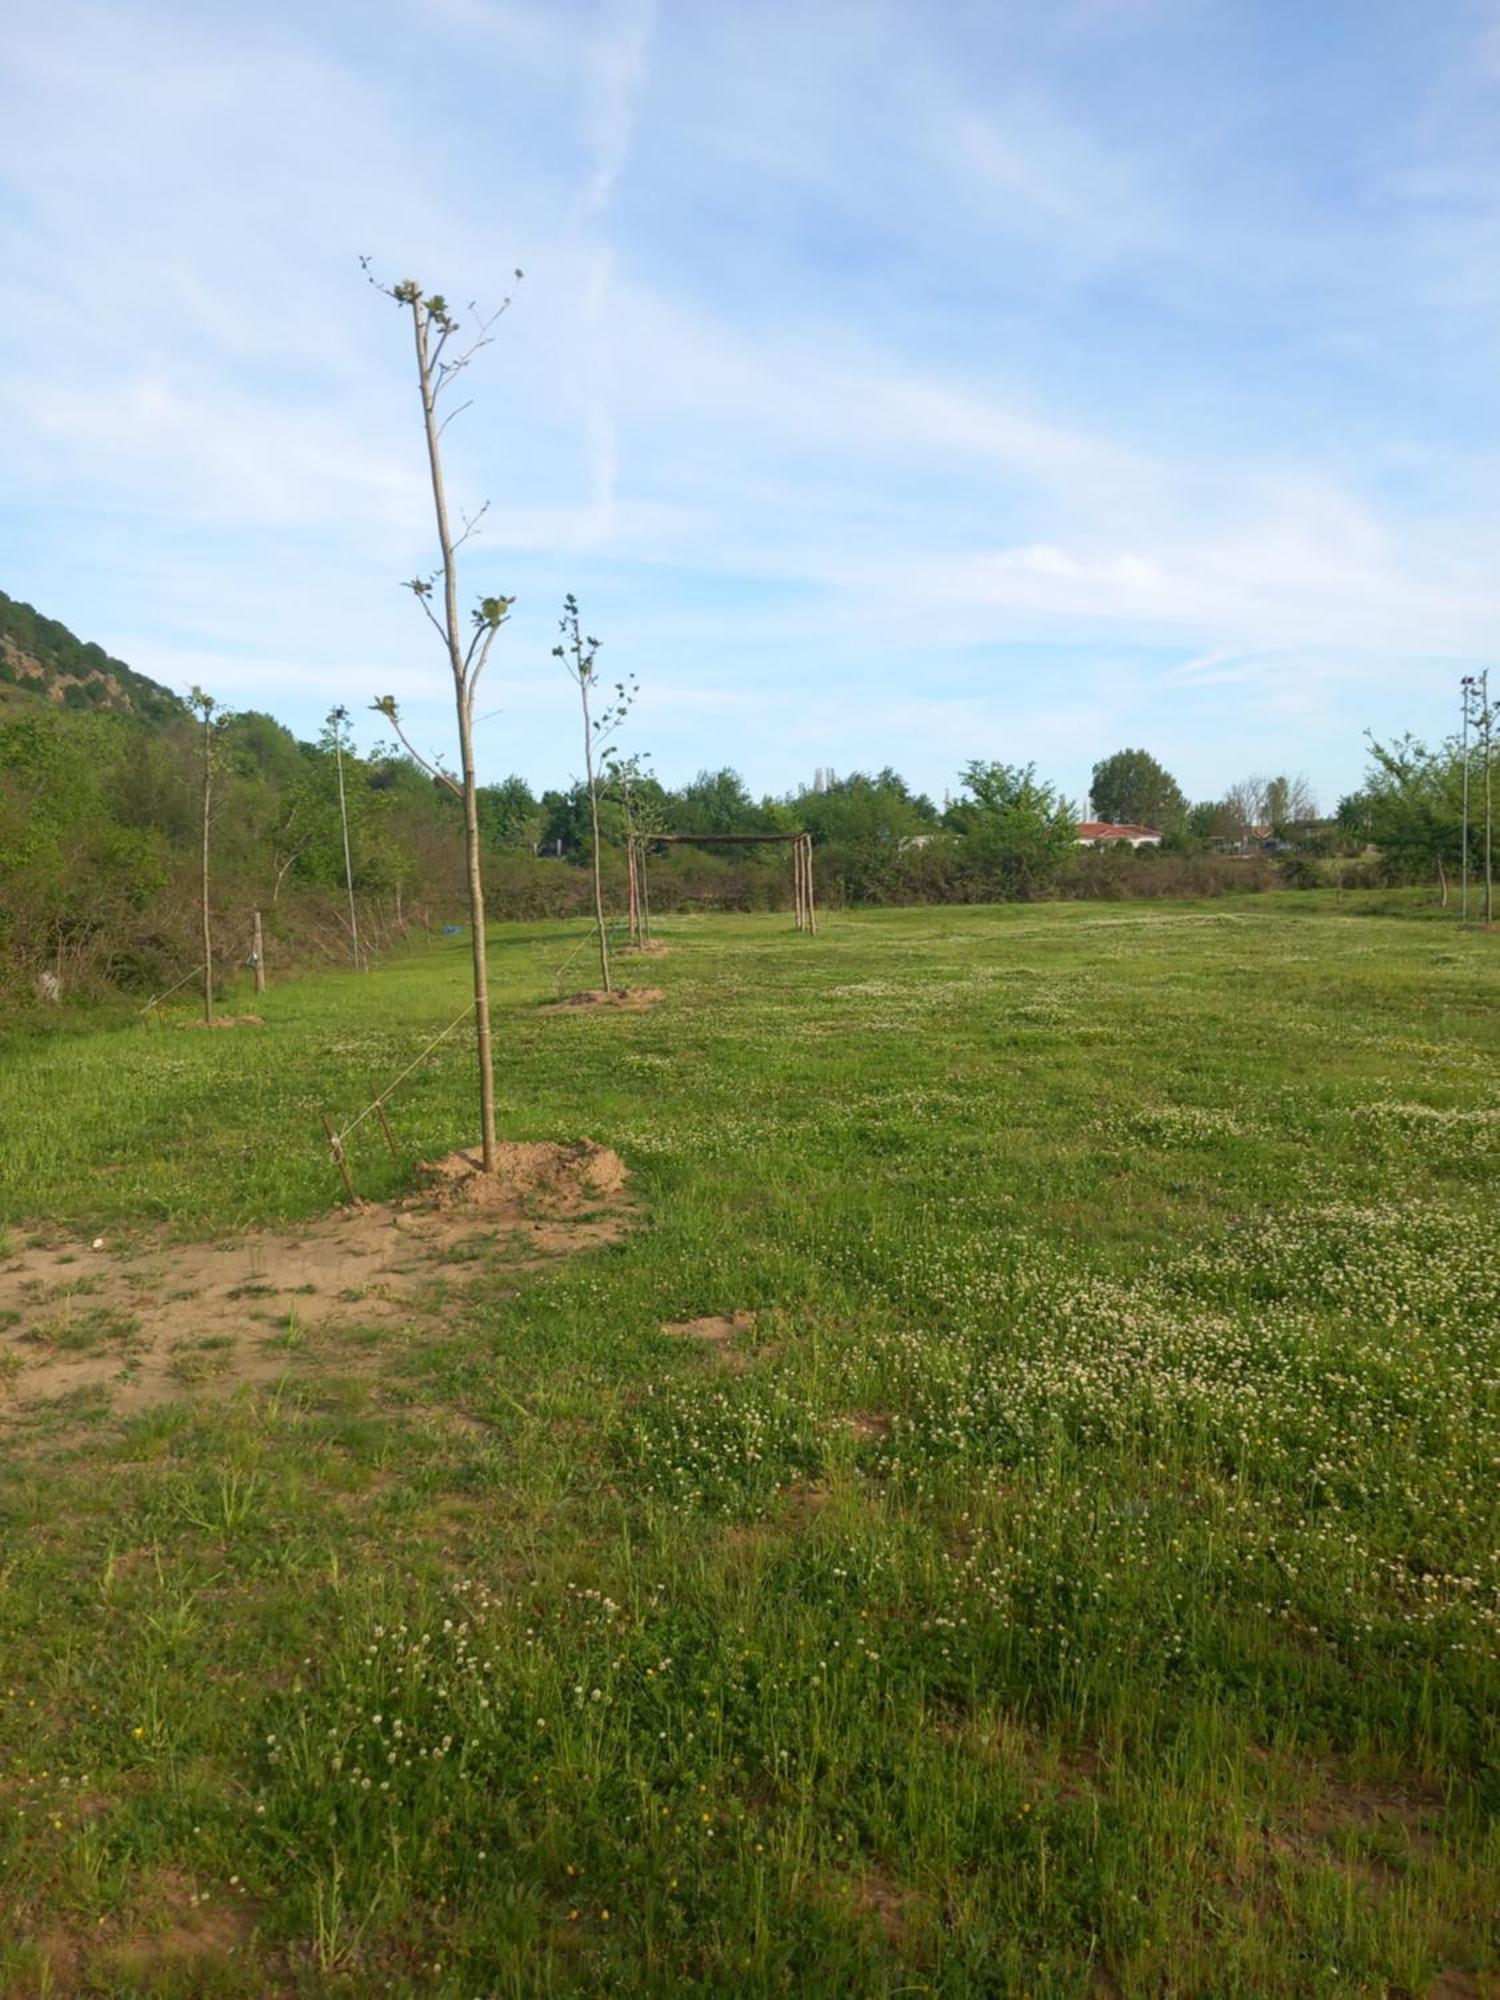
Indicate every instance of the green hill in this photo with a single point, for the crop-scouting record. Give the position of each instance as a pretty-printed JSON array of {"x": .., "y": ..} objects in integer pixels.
[{"x": 43, "y": 660}]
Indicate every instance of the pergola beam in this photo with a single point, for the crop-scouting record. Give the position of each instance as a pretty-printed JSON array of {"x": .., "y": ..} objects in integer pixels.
[{"x": 717, "y": 839}]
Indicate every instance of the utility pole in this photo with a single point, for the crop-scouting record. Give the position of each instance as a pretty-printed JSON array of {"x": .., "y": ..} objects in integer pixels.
[
  {"x": 337, "y": 719},
  {"x": 1467, "y": 699}
]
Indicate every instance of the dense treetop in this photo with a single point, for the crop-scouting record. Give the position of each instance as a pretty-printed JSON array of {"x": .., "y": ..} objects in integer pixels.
[{"x": 1132, "y": 789}]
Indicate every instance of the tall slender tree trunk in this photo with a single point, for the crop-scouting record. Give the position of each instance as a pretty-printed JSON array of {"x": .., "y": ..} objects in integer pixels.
[
  {"x": 338, "y": 751},
  {"x": 208, "y": 941},
  {"x": 464, "y": 700},
  {"x": 1489, "y": 808},
  {"x": 476, "y": 925},
  {"x": 588, "y": 759},
  {"x": 1463, "y": 895}
]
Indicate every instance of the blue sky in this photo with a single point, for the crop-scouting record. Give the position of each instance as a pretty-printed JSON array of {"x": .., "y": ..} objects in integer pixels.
[{"x": 893, "y": 383}]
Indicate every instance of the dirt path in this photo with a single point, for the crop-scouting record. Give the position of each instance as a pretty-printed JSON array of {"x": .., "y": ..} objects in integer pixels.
[{"x": 148, "y": 1326}]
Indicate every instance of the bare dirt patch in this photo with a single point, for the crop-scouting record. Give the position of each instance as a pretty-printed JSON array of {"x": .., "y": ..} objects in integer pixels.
[
  {"x": 804, "y": 1501},
  {"x": 869, "y": 1426},
  {"x": 149, "y": 1326},
  {"x": 1457, "y": 1984},
  {"x": 632, "y": 998},
  {"x": 720, "y": 1333},
  {"x": 170, "y": 1934},
  {"x": 224, "y": 1021},
  {"x": 716, "y": 1328},
  {"x": 651, "y": 950}
]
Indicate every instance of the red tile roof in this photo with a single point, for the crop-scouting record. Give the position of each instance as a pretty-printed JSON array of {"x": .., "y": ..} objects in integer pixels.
[{"x": 1103, "y": 829}]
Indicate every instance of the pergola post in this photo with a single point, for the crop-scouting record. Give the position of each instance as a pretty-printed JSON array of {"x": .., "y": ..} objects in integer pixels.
[
  {"x": 634, "y": 901},
  {"x": 802, "y": 868}
]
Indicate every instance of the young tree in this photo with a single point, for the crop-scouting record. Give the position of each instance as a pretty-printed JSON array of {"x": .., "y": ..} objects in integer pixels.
[
  {"x": 338, "y": 721},
  {"x": 634, "y": 789},
  {"x": 1132, "y": 789},
  {"x": 1479, "y": 718},
  {"x": 438, "y": 366},
  {"x": 213, "y": 720},
  {"x": 579, "y": 654}
]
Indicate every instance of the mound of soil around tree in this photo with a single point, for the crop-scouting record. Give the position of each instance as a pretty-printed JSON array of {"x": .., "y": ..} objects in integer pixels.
[
  {"x": 569, "y": 1176},
  {"x": 225, "y": 1021}
]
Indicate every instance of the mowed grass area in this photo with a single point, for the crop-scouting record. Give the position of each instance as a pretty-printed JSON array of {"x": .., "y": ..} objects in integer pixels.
[{"x": 1080, "y": 1578}]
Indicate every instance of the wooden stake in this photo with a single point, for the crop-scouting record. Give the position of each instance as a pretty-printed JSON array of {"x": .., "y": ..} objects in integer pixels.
[
  {"x": 812, "y": 912},
  {"x": 339, "y": 1161},
  {"x": 259, "y": 949},
  {"x": 797, "y": 882},
  {"x": 634, "y": 894},
  {"x": 385, "y": 1124}
]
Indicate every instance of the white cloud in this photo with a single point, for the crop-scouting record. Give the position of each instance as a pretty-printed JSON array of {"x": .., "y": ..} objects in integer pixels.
[{"x": 804, "y": 379}]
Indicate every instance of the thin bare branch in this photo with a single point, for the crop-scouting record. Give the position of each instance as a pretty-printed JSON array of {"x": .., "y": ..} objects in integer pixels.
[
  {"x": 456, "y": 411},
  {"x": 444, "y": 371},
  {"x": 471, "y": 521},
  {"x": 430, "y": 615},
  {"x": 439, "y": 776}
]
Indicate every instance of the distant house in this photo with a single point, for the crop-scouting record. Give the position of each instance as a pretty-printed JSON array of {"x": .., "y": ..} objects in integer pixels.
[{"x": 1104, "y": 833}]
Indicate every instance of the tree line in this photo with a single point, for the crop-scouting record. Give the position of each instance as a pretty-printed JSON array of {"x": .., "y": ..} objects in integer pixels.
[{"x": 100, "y": 841}]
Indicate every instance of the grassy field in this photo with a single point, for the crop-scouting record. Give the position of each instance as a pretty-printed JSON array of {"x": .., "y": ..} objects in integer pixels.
[{"x": 1079, "y": 1577}]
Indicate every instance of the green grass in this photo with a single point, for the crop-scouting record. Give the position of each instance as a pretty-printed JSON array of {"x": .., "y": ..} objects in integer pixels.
[{"x": 1082, "y": 1579}]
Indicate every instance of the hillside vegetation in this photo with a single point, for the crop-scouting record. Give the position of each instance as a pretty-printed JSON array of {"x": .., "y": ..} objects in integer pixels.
[{"x": 42, "y": 659}]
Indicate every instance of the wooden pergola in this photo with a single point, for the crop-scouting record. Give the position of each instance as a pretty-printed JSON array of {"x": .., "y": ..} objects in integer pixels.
[{"x": 802, "y": 871}]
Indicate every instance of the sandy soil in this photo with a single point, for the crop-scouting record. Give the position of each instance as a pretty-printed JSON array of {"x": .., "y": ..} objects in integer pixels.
[{"x": 150, "y": 1325}]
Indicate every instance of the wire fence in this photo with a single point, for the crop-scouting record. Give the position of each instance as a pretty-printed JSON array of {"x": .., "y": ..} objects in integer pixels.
[
  {"x": 615, "y": 929},
  {"x": 377, "y": 1102},
  {"x": 172, "y": 989}
]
